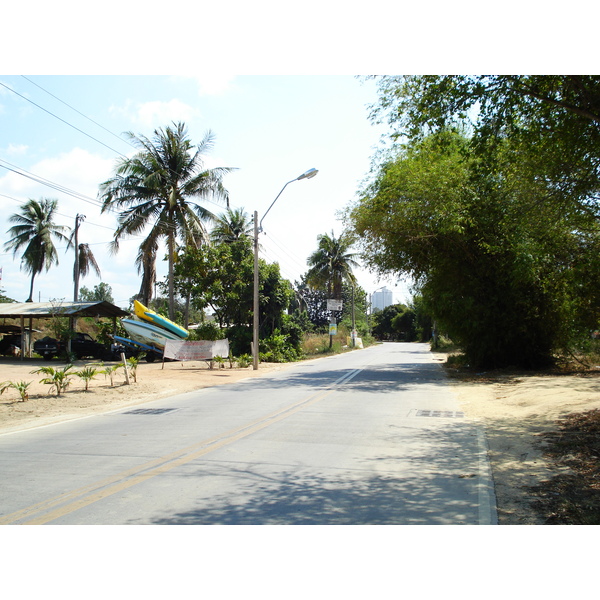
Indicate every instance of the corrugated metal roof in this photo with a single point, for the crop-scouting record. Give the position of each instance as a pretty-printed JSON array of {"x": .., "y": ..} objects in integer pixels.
[{"x": 41, "y": 310}]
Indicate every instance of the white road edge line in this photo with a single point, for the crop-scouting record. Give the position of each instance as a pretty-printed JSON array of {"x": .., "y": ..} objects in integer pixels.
[{"x": 487, "y": 504}]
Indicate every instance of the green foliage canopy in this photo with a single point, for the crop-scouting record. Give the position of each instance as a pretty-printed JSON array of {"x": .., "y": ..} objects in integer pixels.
[
  {"x": 221, "y": 277},
  {"x": 101, "y": 293},
  {"x": 500, "y": 254}
]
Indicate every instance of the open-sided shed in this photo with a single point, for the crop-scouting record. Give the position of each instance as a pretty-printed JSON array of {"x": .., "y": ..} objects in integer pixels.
[{"x": 27, "y": 311}]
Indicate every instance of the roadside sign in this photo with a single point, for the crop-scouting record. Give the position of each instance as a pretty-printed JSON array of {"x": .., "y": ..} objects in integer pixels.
[
  {"x": 332, "y": 329},
  {"x": 334, "y": 304}
]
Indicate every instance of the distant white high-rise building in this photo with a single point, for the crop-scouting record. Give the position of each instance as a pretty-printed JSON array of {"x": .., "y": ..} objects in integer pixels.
[{"x": 381, "y": 298}]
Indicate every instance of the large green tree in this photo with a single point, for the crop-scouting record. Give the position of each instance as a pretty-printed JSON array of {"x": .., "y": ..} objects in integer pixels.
[
  {"x": 101, "y": 293},
  {"x": 34, "y": 234},
  {"x": 156, "y": 189},
  {"x": 506, "y": 261},
  {"x": 221, "y": 277},
  {"x": 555, "y": 117}
]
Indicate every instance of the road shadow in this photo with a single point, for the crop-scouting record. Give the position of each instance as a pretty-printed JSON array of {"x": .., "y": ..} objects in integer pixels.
[
  {"x": 377, "y": 500},
  {"x": 432, "y": 488},
  {"x": 388, "y": 377}
]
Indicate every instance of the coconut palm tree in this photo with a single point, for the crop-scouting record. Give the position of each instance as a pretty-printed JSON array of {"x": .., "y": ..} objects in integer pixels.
[
  {"x": 87, "y": 261},
  {"x": 232, "y": 226},
  {"x": 331, "y": 264},
  {"x": 34, "y": 233},
  {"x": 154, "y": 188}
]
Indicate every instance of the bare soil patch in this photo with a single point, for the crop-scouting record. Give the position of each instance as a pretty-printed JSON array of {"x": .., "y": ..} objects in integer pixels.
[
  {"x": 154, "y": 381},
  {"x": 525, "y": 414}
]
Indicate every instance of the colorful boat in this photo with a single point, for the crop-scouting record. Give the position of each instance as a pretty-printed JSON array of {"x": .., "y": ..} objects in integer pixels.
[
  {"x": 146, "y": 333},
  {"x": 142, "y": 312}
]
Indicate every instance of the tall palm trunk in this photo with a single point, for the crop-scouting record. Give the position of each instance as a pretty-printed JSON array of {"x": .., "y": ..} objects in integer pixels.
[
  {"x": 30, "y": 299},
  {"x": 171, "y": 250}
]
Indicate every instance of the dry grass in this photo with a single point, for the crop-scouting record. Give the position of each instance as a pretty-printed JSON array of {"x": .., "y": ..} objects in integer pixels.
[
  {"x": 314, "y": 344},
  {"x": 573, "y": 496}
]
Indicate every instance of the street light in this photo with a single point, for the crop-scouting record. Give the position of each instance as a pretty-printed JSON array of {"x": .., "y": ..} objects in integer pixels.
[{"x": 258, "y": 229}]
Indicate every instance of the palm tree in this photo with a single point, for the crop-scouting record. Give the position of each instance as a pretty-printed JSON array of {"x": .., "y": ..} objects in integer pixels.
[
  {"x": 84, "y": 258},
  {"x": 153, "y": 188},
  {"x": 33, "y": 233},
  {"x": 87, "y": 261},
  {"x": 331, "y": 264},
  {"x": 232, "y": 226}
]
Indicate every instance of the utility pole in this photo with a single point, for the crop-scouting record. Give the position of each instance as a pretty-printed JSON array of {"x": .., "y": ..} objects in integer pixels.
[
  {"x": 255, "y": 304},
  {"x": 353, "y": 334}
]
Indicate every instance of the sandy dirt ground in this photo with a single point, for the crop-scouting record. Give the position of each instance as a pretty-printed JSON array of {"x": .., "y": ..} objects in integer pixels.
[
  {"x": 152, "y": 382},
  {"x": 514, "y": 409}
]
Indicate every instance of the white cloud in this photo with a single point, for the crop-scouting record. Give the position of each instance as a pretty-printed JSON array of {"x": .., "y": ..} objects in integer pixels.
[
  {"x": 16, "y": 149},
  {"x": 215, "y": 84},
  {"x": 209, "y": 84},
  {"x": 77, "y": 170},
  {"x": 156, "y": 113}
]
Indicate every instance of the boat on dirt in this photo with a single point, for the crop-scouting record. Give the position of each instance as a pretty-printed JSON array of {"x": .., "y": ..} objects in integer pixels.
[
  {"x": 144, "y": 313},
  {"x": 146, "y": 333}
]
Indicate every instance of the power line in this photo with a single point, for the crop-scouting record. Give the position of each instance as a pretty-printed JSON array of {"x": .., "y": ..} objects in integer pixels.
[
  {"x": 293, "y": 257},
  {"x": 55, "y": 186},
  {"x": 60, "y": 119},
  {"x": 79, "y": 112}
]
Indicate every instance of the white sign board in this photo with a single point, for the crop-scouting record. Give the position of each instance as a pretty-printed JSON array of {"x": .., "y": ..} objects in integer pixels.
[
  {"x": 334, "y": 305},
  {"x": 199, "y": 350}
]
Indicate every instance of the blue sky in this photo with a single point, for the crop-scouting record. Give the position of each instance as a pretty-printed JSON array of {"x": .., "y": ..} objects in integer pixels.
[
  {"x": 270, "y": 128},
  {"x": 277, "y": 89}
]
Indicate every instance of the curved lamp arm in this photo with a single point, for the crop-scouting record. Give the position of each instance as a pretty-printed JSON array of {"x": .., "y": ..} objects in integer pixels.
[{"x": 308, "y": 175}]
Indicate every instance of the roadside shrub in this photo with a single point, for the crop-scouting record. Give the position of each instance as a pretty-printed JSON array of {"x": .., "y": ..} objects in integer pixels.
[
  {"x": 56, "y": 378},
  {"x": 277, "y": 349},
  {"x": 110, "y": 371},
  {"x": 20, "y": 386},
  {"x": 87, "y": 374},
  {"x": 240, "y": 339},
  {"x": 132, "y": 364},
  {"x": 244, "y": 361},
  {"x": 315, "y": 344},
  {"x": 207, "y": 331}
]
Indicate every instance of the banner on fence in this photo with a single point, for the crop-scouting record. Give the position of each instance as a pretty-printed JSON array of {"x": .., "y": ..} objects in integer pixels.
[{"x": 199, "y": 350}]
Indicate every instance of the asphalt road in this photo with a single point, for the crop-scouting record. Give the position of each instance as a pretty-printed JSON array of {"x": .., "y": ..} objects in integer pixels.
[{"x": 374, "y": 436}]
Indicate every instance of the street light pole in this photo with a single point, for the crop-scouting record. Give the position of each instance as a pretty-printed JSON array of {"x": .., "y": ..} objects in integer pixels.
[
  {"x": 255, "y": 304},
  {"x": 257, "y": 230}
]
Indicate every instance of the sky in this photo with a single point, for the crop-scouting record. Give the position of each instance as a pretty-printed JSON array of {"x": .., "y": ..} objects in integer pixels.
[
  {"x": 278, "y": 89},
  {"x": 68, "y": 130}
]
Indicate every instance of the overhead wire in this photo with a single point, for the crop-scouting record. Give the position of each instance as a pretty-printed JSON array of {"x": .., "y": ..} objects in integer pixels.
[
  {"x": 79, "y": 112},
  {"x": 55, "y": 186},
  {"x": 58, "y": 187},
  {"x": 287, "y": 270},
  {"x": 300, "y": 264},
  {"x": 61, "y": 119}
]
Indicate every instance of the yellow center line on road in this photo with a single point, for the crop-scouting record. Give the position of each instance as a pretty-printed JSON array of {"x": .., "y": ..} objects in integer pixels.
[{"x": 89, "y": 494}]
